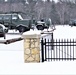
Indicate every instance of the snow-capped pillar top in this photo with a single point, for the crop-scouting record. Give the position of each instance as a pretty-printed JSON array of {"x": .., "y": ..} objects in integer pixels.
[
  {"x": 32, "y": 34},
  {"x": 31, "y": 46}
]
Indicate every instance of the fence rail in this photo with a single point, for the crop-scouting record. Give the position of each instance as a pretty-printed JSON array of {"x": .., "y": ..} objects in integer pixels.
[{"x": 58, "y": 49}]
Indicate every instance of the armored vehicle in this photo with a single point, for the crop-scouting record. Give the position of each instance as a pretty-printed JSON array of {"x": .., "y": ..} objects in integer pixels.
[
  {"x": 2, "y": 31},
  {"x": 43, "y": 24},
  {"x": 72, "y": 22},
  {"x": 15, "y": 21}
]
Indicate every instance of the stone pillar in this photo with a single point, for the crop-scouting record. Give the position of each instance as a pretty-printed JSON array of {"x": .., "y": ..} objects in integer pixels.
[{"x": 31, "y": 46}]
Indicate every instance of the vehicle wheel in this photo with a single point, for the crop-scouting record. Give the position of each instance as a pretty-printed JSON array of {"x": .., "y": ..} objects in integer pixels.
[
  {"x": 40, "y": 27},
  {"x": 6, "y": 30},
  {"x": 21, "y": 29},
  {"x": 71, "y": 25},
  {"x": 4, "y": 36}
]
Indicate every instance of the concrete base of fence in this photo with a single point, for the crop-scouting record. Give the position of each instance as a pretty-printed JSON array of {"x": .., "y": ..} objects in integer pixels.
[{"x": 31, "y": 46}]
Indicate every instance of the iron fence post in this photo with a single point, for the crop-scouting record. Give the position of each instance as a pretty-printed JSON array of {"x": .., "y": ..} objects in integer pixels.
[
  {"x": 52, "y": 42},
  {"x": 42, "y": 50}
]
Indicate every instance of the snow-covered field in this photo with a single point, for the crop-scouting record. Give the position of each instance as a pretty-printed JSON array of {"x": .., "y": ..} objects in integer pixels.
[
  {"x": 12, "y": 57},
  {"x": 65, "y": 32}
]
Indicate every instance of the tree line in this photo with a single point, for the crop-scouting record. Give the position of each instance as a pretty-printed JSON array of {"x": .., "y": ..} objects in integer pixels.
[{"x": 60, "y": 13}]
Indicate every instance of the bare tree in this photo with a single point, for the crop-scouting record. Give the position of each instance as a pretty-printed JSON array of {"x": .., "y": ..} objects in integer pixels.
[{"x": 54, "y": 14}]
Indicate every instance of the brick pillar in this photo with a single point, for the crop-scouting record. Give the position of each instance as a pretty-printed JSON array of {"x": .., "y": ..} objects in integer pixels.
[{"x": 31, "y": 47}]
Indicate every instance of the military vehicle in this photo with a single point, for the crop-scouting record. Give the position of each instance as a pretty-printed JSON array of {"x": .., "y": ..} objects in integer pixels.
[
  {"x": 43, "y": 24},
  {"x": 15, "y": 21},
  {"x": 72, "y": 22},
  {"x": 2, "y": 30}
]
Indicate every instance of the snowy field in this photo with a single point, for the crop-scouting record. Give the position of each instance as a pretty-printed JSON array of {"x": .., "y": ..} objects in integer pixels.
[
  {"x": 12, "y": 57},
  {"x": 65, "y": 32}
]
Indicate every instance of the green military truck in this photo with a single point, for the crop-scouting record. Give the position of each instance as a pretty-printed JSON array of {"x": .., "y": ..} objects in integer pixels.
[
  {"x": 72, "y": 22},
  {"x": 15, "y": 21},
  {"x": 43, "y": 24}
]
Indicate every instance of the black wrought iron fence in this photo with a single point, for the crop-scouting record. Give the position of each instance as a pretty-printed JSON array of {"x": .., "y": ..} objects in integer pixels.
[{"x": 52, "y": 50}]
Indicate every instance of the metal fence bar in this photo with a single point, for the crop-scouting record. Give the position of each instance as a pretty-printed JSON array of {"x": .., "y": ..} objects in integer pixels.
[
  {"x": 48, "y": 50},
  {"x": 58, "y": 49},
  {"x": 45, "y": 51},
  {"x": 67, "y": 49},
  {"x": 62, "y": 45},
  {"x": 51, "y": 52},
  {"x": 61, "y": 58},
  {"x": 61, "y": 41},
  {"x": 42, "y": 50},
  {"x": 73, "y": 49},
  {"x": 62, "y": 49},
  {"x": 54, "y": 54},
  {"x": 70, "y": 49}
]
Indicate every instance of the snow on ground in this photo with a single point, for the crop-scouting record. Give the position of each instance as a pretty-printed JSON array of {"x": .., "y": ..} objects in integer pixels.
[
  {"x": 65, "y": 32},
  {"x": 13, "y": 51},
  {"x": 10, "y": 37},
  {"x": 12, "y": 57}
]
